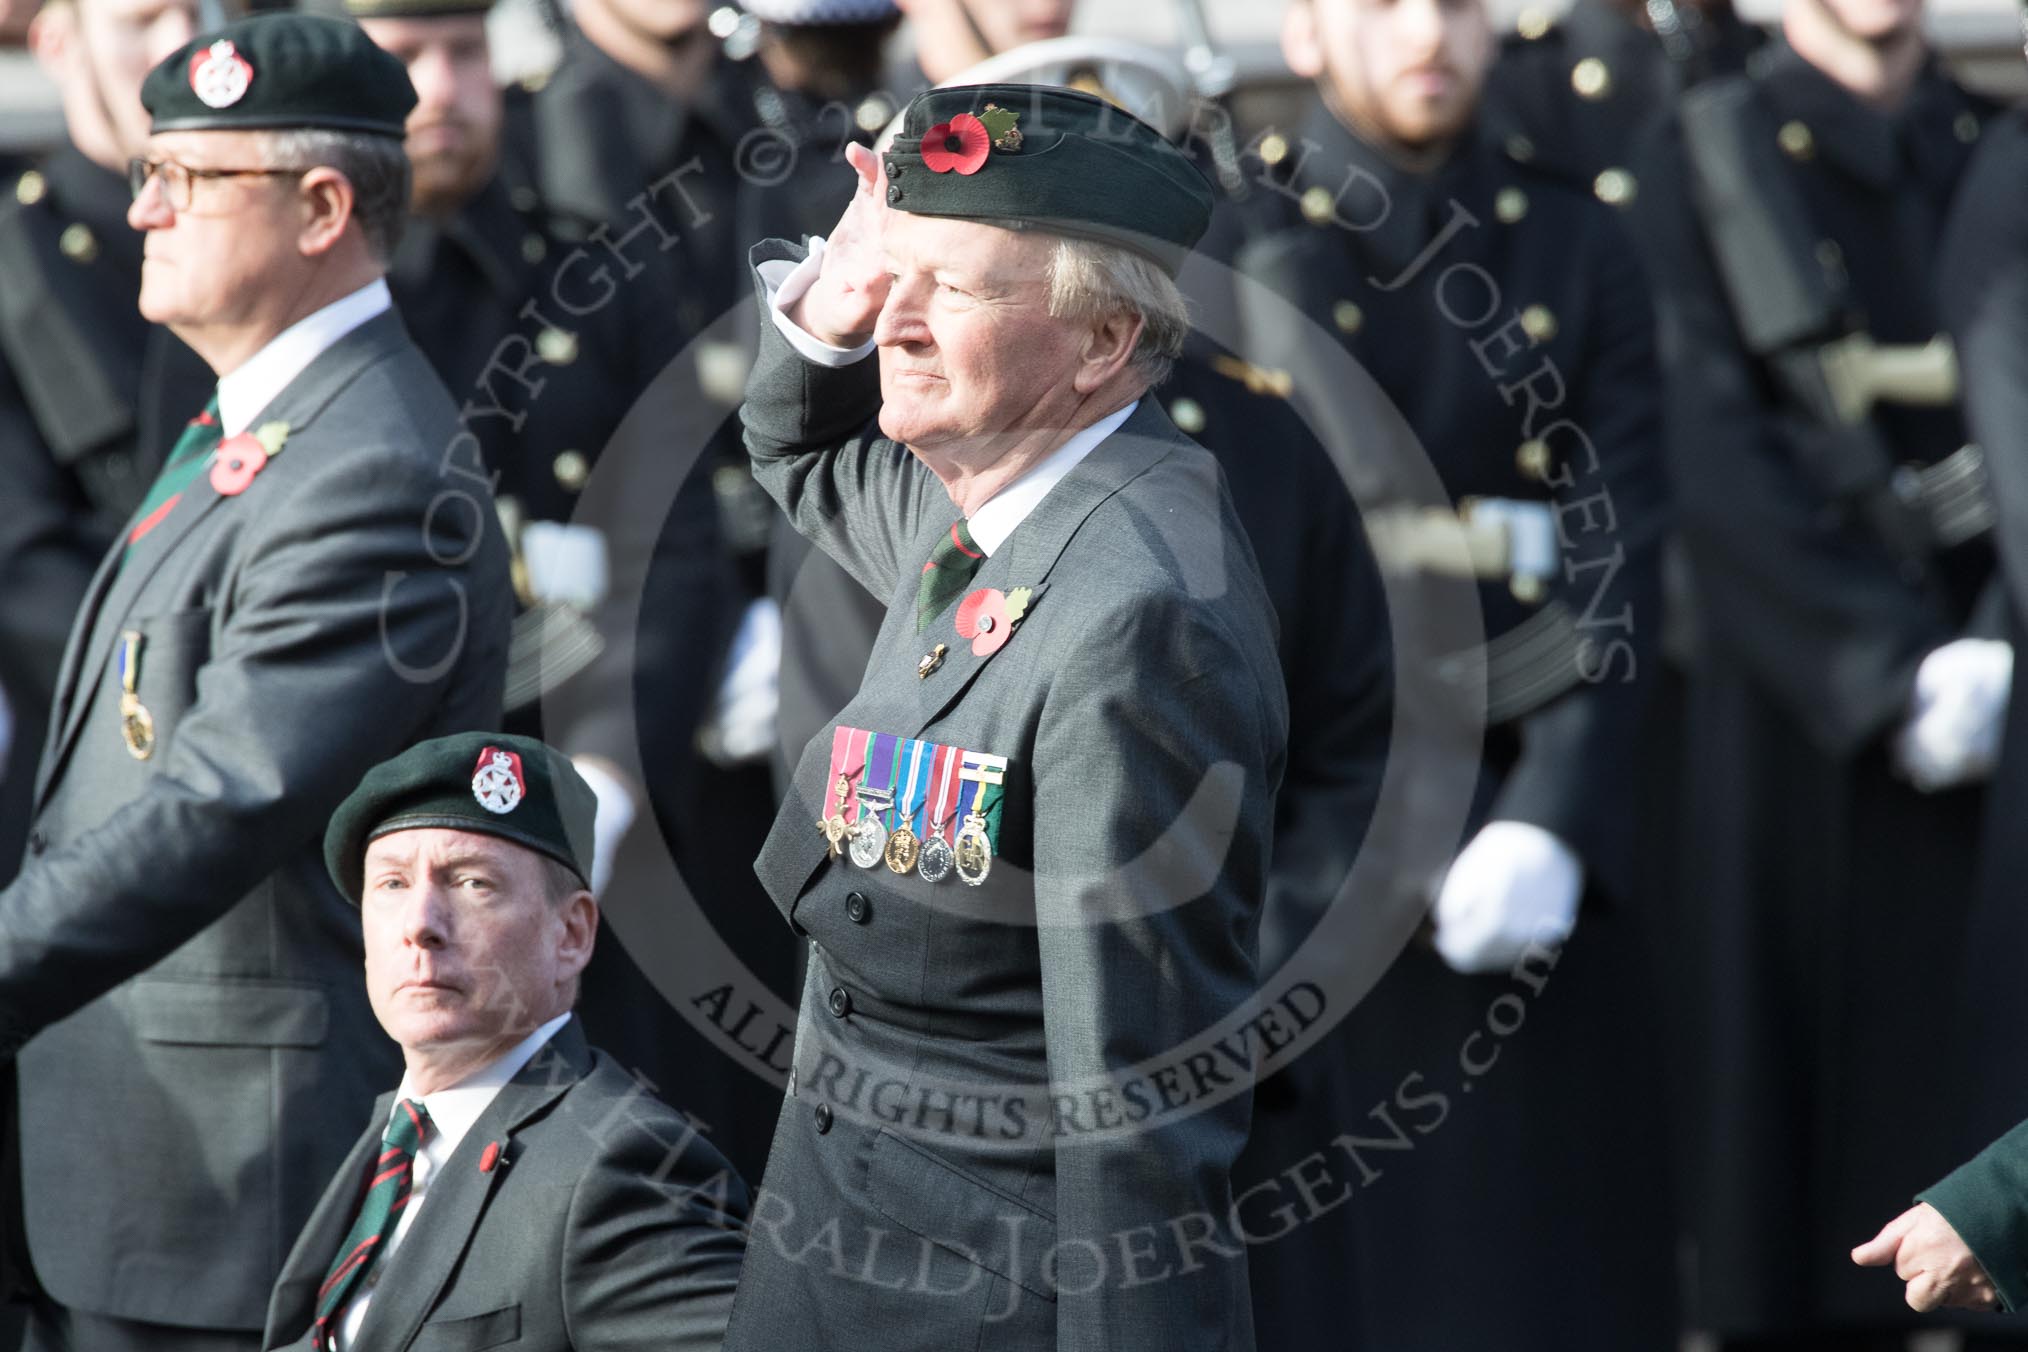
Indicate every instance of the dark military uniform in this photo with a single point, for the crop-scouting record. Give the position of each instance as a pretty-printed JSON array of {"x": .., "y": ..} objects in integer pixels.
[
  {"x": 91, "y": 397},
  {"x": 619, "y": 395},
  {"x": 1836, "y": 897},
  {"x": 1523, "y": 1110},
  {"x": 1583, "y": 92}
]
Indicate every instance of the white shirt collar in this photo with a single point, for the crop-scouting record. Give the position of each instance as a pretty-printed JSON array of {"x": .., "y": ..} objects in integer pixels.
[
  {"x": 453, "y": 1111},
  {"x": 1000, "y": 514},
  {"x": 255, "y": 383}
]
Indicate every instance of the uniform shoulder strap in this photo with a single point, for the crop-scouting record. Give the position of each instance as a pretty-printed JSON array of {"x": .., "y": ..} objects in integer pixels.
[{"x": 74, "y": 402}]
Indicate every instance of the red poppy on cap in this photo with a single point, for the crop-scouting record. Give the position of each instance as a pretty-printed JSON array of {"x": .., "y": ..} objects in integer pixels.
[{"x": 961, "y": 144}]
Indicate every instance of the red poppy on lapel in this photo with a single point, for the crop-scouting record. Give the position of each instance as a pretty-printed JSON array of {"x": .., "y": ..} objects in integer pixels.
[
  {"x": 238, "y": 459},
  {"x": 987, "y": 617}
]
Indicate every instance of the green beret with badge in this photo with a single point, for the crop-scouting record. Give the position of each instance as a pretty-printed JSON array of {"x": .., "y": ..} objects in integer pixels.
[
  {"x": 516, "y": 788},
  {"x": 1053, "y": 158},
  {"x": 280, "y": 71}
]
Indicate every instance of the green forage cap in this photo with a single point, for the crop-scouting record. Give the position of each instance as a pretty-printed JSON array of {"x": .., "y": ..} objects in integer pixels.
[
  {"x": 280, "y": 70},
  {"x": 516, "y": 788},
  {"x": 1053, "y": 158}
]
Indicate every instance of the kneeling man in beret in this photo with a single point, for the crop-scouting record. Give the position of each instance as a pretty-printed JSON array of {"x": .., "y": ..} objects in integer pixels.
[{"x": 519, "y": 1189}]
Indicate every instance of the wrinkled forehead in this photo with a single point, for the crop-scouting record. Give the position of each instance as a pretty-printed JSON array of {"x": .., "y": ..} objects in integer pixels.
[
  {"x": 976, "y": 249},
  {"x": 238, "y": 149},
  {"x": 426, "y": 847}
]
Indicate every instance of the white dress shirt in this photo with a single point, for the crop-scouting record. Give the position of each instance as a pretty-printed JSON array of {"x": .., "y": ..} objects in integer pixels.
[
  {"x": 253, "y": 385},
  {"x": 453, "y": 1112},
  {"x": 996, "y": 518}
]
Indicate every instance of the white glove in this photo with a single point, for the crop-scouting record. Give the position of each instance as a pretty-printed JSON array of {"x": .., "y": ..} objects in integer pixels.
[
  {"x": 609, "y": 825},
  {"x": 1952, "y": 735},
  {"x": 1513, "y": 885}
]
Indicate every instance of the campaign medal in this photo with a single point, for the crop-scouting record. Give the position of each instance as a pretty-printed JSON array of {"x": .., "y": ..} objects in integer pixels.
[
  {"x": 933, "y": 862},
  {"x": 903, "y": 845},
  {"x": 974, "y": 848},
  {"x": 137, "y": 725},
  {"x": 869, "y": 837}
]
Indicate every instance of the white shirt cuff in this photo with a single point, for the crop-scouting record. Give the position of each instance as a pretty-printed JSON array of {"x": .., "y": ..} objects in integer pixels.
[{"x": 786, "y": 282}]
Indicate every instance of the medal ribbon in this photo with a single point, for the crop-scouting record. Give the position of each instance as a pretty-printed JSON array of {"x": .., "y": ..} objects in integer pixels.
[
  {"x": 844, "y": 761},
  {"x": 987, "y": 797},
  {"x": 912, "y": 797},
  {"x": 880, "y": 759},
  {"x": 944, "y": 774}
]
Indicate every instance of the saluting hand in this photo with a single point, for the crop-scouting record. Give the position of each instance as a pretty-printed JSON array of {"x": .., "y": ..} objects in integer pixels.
[
  {"x": 841, "y": 306},
  {"x": 1929, "y": 1255}
]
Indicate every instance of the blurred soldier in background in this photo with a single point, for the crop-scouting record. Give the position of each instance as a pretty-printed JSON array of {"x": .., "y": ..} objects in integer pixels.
[
  {"x": 548, "y": 345},
  {"x": 951, "y": 36},
  {"x": 1500, "y": 308},
  {"x": 91, "y": 394},
  {"x": 1583, "y": 91},
  {"x": 1855, "y": 675}
]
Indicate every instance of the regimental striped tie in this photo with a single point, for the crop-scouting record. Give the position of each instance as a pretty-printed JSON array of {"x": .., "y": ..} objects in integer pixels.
[
  {"x": 187, "y": 459},
  {"x": 379, "y": 1214},
  {"x": 951, "y": 565}
]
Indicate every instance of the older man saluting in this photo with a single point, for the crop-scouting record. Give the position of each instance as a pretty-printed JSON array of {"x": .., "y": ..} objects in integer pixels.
[
  {"x": 1029, "y": 855},
  {"x": 309, "y": 586},
  {"x": 519, "y": 1188}
]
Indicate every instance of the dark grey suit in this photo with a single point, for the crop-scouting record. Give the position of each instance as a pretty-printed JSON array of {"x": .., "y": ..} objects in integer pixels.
[
  {"x": 1141, "y": 709},
  {"x": 201, "y": 1044},
  {"x": 604, "y": 1222}
]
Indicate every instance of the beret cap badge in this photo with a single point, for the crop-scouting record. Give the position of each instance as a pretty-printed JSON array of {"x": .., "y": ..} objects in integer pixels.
[
  {"x": 497, "y": 781},
  {"x": 219, "y": 75}
]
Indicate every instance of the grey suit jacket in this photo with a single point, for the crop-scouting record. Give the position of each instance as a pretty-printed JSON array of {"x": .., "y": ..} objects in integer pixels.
[
  {"x": 939, "y": 1178},
  {"x": 201, "y": 1045},
  {"x": 604, "y": 1221}
]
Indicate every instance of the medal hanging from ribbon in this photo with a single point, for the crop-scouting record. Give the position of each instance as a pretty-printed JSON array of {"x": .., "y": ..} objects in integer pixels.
[
  {"x": 137, "y": 725},
  {"x": 876, "y": 796},
  {"x": 974, "y": 847},
  {"x": 848, "y": 761},
  {"x": 903, "y": 844},
  {"x": 933, "y": 862}
]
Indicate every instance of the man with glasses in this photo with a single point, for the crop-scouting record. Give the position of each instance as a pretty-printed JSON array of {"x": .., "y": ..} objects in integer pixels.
[{"x": 313, "y": 582}]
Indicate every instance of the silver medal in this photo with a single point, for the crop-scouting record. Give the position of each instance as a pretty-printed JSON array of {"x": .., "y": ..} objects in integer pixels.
[
  {"x": 869, "y": 842},
  {"x": 935, "y": 860}
]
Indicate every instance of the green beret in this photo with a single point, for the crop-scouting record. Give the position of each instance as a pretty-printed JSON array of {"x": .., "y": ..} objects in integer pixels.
[
  {"x": 516, "y": 788},
  {"x": 1055, "y": 158},
  {"x": 281, "y": 70}
]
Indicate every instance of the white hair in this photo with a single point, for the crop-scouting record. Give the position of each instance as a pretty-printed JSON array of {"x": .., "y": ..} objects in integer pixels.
[{"x": 1090, "y": 280}]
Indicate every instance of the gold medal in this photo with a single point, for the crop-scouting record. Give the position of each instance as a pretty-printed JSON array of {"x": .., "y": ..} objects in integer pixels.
[
  {"x": 833, "y": 826},
  {"x": 902, "y": 849},
  {"x": 137, "y": 725}
]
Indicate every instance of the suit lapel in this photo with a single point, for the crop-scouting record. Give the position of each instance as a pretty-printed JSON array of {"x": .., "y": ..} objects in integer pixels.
[
  {"x": 294, "y": 1304},
  {"x": 115, "y": 587},
  {"x": 456, "y": 1198}
]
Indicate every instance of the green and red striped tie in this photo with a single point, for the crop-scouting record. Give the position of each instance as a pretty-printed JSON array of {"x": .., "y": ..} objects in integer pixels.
[
  {"x": 951, "y": 565},
  {"x": 379, "y": 1214},
  {"x": 187, "y": 459}
]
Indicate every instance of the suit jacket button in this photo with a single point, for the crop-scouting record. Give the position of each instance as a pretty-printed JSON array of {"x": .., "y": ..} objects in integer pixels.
[
  {"x": 857, "y": 909},
  {"x": 823, "y": 1118},
  {"x": 841, "y": 1001}
]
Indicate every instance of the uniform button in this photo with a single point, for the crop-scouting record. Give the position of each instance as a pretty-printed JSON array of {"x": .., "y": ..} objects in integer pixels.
[
  {"x": 1318, "y": 206},
  {"x": 893, "y": 192},
  {"x": 534, "y": 248},
  {"x": 1347, "y": 316},
  {"x": 1274, "y": 148},
  {"x": 824, "y": 1118},
  {"x": 857, "y": 909},
  {"x": 1188, "y": 415},
  {"x": 1796, "y": 140},
  {"x": 1592, "y": 79},
  {"x": 1510, "y": 205},
  {"x": 841, "y": 1001},
  {"x": 1539, "y": 323},
  {"x": 78, "y": 243},
  {"x": 29, "y": 188},
  {"x": 572, "y": 469},
  {"x": 1532, "y": 23},
  {"x": 556, "y": 346},
  {"x": 1614, "y": 187}
]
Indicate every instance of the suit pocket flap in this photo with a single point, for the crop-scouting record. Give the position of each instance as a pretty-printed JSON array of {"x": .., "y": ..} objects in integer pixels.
[
  {"x": 229, "y": 1014},
  {"x": 936, "y": 1201},
  {"x": 491, "y": 1329}
]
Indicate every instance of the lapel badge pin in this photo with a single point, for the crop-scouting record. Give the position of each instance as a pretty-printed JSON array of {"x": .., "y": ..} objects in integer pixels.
[
  {"x": 931, "y": 660},
  {"x": 490, "y": 1160}
]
